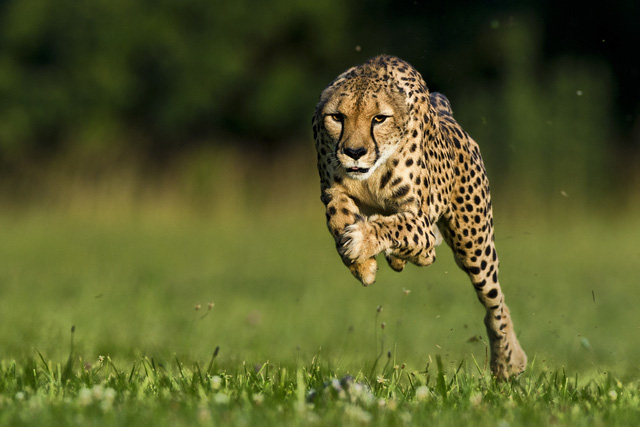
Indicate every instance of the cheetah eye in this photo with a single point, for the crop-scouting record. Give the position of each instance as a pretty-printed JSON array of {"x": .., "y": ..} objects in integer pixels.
[
  {"x": 379, "y": 118},
  {"x": 337, "y": 117}
]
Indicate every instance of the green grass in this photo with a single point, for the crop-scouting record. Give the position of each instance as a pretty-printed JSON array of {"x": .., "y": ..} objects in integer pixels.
[
  {"x": 299, "y": 341},
  {"x": 45, "y": 394}
]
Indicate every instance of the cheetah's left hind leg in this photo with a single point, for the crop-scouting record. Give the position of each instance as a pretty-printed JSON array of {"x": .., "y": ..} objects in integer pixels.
[
  {"x": 426, "y": 257},
  {"x": 396, "y": 263},
  {"x": 365, "y": 271}
]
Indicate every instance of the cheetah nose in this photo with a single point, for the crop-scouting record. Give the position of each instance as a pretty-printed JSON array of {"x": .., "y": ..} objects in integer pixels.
[{"x": 354, "y": 153}]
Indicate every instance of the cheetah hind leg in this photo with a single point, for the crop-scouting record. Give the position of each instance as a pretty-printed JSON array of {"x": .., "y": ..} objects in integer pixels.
[
  {"x": 366, "y": 271},
  {"x": 395, "y": 262},
  {"x": 426, "y": 257},
  {"x": 507, "y": 357}
]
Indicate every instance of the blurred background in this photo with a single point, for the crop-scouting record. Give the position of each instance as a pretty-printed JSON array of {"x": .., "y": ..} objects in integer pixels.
[
  {"x": 156, "y": 156},
  {"x": 183, "y": 96}
]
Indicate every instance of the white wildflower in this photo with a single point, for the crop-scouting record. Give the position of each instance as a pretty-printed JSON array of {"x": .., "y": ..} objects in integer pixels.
[
  {"x": 109, "y": 394},
  {"x": 422, "y": 393},
  {"x": 221, "y": 398},
  {"x": 216, "y": 382},
  {"x": 108, "y": 397},
  {"x": 97, "y": 392},
  {"x": 358, "y": 414},
  {"x": 84, "y": 396},
  {"x": 475, "y": 399},
  {"x": 258, "y": 398}
]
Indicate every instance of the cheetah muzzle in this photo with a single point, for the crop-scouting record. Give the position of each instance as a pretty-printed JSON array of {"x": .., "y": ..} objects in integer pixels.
[{"x": 399, "y": 175}]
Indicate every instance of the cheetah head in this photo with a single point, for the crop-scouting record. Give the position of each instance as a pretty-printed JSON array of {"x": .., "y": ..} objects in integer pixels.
[{"x": 361, "y": 120}]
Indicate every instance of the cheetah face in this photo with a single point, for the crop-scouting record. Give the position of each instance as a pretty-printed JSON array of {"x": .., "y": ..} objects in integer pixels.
[{"x": 364, "y": 129}]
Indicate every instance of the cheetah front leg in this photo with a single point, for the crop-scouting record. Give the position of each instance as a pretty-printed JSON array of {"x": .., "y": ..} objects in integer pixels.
[
  {"x": 402, "y": 237},
  {"x": 341, "y": 212}
]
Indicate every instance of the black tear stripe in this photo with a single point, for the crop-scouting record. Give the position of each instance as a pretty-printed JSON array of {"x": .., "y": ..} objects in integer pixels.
[{"x": 375, "y": 145}]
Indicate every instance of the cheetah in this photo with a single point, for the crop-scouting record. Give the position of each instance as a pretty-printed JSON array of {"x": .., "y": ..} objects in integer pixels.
[{"x": 398, "y": 175}]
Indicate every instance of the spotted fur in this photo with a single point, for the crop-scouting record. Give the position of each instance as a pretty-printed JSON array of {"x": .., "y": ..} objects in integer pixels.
[{"x": 399, "y": 175}]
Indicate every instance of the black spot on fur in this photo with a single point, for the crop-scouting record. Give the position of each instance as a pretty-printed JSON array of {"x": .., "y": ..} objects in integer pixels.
[
  {"x": 400, "y": 192},
  {"x": 385, "y": 179}
]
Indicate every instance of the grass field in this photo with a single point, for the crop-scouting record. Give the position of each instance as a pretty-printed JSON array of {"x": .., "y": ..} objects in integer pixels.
[{"x": 297, "y": 340}]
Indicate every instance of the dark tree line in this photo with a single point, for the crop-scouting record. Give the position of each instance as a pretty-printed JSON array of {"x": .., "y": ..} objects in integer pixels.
[{"x": 156, "y": 76}]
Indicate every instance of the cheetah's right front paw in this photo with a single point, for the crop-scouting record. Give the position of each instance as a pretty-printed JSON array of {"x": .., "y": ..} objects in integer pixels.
[{"x": 358, "y": 243}]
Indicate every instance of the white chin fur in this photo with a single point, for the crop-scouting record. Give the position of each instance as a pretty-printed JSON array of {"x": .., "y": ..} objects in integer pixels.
[{"x": 359, "y": 176}]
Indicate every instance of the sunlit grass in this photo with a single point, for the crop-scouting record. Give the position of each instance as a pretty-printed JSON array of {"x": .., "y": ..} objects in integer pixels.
[
  {"x": 38, "y": 391},
  {"x": 152, "y": 297}
]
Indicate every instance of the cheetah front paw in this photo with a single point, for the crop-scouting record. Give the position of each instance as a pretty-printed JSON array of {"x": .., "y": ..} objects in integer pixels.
[{"x": 358, "y": 243}]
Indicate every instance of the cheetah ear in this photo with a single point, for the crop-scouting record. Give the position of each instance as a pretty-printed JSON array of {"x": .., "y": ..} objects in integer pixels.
[
  {"x": 434, "y": 118},
  {"x": 428, "y": 114},
  {"x": 440, "y": 103}
]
